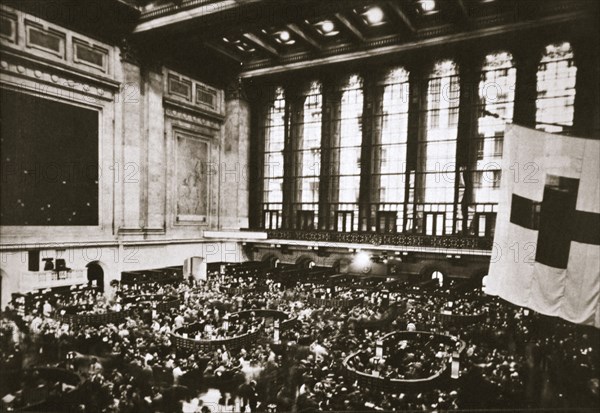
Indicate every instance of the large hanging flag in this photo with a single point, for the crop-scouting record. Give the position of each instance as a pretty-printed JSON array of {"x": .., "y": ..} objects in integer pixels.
[{"x": 546, "y": 252}]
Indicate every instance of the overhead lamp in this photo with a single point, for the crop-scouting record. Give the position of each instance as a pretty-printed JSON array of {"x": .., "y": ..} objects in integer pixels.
[
  {"x": 325, "y": 28},
  {"x": 427, "y": 6},
  {"x": 284, "y": 35},
  {"x": 328, "y": 26},
  {"x": 240, "y": 45},
  {"x": 374, "y": 16}
]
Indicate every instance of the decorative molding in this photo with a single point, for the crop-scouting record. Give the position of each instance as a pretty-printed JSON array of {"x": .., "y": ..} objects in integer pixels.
[
  {"x": 178, "y": 86},
  {"x": 41, "y": 38},
  {"x": 236, "y": 235},
  {"x": 193, "y": 95},
  {"x": 129, "y": 53},
  {"x": 45, "y": 41},
  {"x": 176, "y": 110},
  {"x": 187, "y": 10},
  {"x": 9, "y": 22},
  {"x": 408, "y": 240},
  {"x": 236, "y": 91},
  {"x": 84, "y": 54},
  {"x": 130, "y": 231},
  {"x": 19, "y": 246},
  {"x": 154, "y": 231},
  {"x": 47, "y": 79}
]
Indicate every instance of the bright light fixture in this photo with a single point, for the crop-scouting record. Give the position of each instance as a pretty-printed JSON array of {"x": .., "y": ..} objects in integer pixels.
[
  {"x": 284, "y": 35},
  {"x": 374, "y": 15},
  {"x": 427, "y": 6},
  {"x": 362, "y": 259},
  {"x": 327, "y": 26}
]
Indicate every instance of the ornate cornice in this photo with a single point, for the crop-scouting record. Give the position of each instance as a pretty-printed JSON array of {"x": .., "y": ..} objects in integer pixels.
[
  {"x": 48, "y": 78},
  {"x": 236, "y": 91},
  {"x": 408, "y": 240},
  {"x": 129, "y": 52},
  {"x": 176, "y": 110}
]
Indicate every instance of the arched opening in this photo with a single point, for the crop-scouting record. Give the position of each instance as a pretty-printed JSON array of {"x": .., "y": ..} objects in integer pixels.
[
  {"x": 95, "y": 275},
  {"x": 484, "y": 282},
  {"x": 438, "y": 275},
  {"x": 305, "y": 262},
  {"x": 271, "y": 261}
]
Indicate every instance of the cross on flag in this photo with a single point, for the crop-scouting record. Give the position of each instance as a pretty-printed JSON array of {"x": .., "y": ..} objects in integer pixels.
[{"x": 547, "y": 240}]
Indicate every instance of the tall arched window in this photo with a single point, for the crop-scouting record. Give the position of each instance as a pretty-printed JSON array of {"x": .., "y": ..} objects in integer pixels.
[
  {"x": 437, "y": 150},
  {"x": 556, "y": 88},
  {"x": 348, "y": 154},
  {"x": 274, "y": 134},
  {"x": 495, "y": 109},
  {"x": 308, "y": 157},
  {"x": 389, "y": 151}
]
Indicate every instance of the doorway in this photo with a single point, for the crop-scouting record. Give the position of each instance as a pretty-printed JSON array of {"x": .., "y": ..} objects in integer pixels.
[{"x": 95, "y": 273}]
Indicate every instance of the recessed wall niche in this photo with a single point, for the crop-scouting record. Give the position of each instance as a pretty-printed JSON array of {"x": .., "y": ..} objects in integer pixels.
[{"x": 49, "y": 162}]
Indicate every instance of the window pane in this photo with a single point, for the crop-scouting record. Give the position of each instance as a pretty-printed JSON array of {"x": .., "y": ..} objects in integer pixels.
[
  {"x": 274, "y": 139},
  {"x": 308, "y": 155},
  {"x": 556, "y": 88},
  {"x": 349, "y": 146},
  {"x": 496, "y": 97},
  {"x": 390, "y": 147},
  {"x": 437, "y": 151}
]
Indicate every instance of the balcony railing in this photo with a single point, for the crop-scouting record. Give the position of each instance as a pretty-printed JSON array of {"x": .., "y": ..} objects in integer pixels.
[
  {"x": 398, "y": 240},
  {"x": 32, "y": 280},
  {"x": 435, "y": 219}
]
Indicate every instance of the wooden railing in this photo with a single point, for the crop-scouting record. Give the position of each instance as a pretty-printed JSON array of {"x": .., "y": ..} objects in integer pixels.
[
  {"x": 366, "y": 380},
  {"x": 285, "y": 319},
  {"x": 232, "y": 343},
  {"x": 73, "y": 317},
  {"x": 322, "y": 302},
  {"x": 163, "y": 303}
]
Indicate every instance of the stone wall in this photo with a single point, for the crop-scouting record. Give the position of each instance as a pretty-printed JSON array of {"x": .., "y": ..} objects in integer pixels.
[{"x": 172, "y": 155}]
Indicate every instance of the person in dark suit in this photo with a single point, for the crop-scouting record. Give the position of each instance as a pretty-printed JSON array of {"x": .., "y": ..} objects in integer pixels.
[{"x": 247, "y": 392}]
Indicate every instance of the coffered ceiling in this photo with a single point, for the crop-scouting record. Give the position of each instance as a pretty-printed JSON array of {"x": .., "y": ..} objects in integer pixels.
[{"x": 250, "y": 38}]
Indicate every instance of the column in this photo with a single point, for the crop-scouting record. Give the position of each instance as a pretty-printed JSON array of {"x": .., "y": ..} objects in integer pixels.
[
  {"x": 128, "y": 171},
  {"x": 586, "y": 119},
  {"x": 155, "y": 162},
  {"x": 233, "y": 171},
  {"x": 526, "y": 62}
]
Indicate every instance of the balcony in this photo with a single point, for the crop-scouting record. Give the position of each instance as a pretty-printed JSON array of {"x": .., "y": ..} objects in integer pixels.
[
  {"x": 460, "y": 242},
  {"x": 35, "y": 280}
]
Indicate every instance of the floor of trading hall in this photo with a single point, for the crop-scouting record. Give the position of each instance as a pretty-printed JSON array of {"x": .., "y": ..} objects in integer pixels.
[{"x": 299, "y": 205}]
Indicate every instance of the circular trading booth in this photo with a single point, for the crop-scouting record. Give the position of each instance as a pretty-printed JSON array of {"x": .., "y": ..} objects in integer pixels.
[
  {"x": 192, "y": 336},
  {"x": 89, "y": 315},
  {"x": 157, "y": 302},
  {"x": 406, "y": 361}
]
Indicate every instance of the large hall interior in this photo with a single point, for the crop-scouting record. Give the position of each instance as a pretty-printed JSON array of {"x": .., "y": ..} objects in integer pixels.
[{"x": 299, "y": 205}]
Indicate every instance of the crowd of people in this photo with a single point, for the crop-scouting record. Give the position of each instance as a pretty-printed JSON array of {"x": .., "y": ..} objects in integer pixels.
[
  {"x": 513, "y": 358},
  {"x": 420, "y": 357}
]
